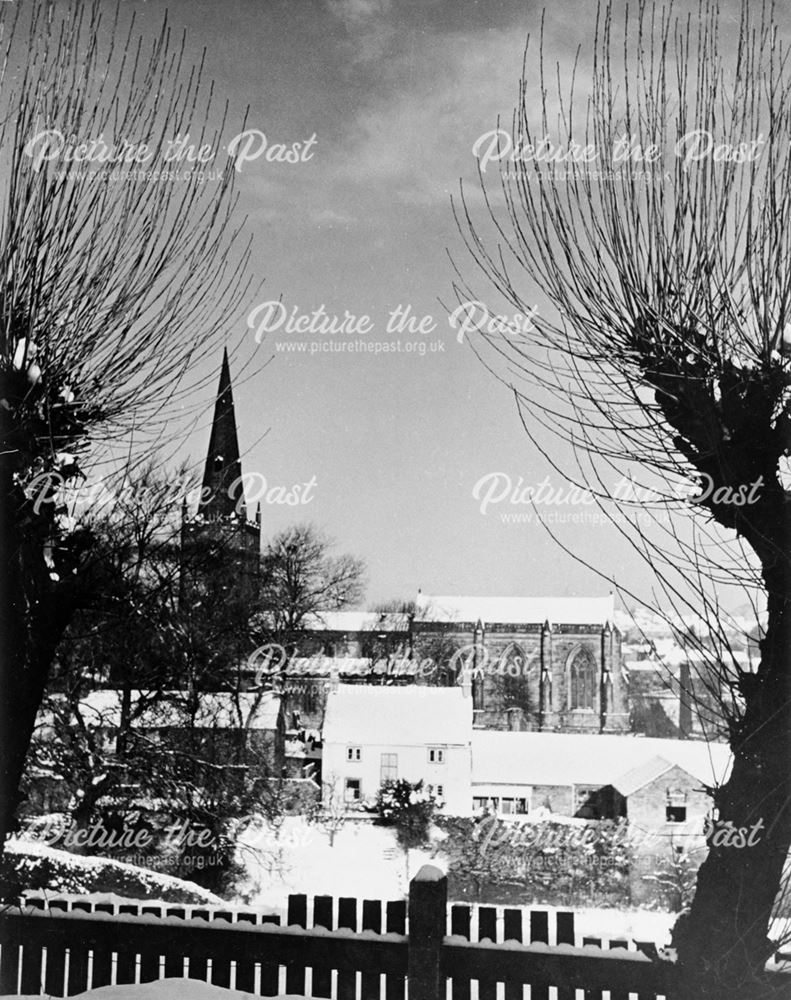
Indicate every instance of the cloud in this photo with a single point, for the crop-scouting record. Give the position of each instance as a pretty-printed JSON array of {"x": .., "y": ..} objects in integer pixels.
[
  {"x": 370, "y": 32},
  {"x": 355, "y": 12},
  {"x": 331, "y": 217},
  {"x": 415, "y": 138}
]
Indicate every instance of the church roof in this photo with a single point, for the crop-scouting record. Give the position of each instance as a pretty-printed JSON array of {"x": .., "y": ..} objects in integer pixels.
[
  {"x": 517, "y": 610},
  {"x": 223, "y": 465}
]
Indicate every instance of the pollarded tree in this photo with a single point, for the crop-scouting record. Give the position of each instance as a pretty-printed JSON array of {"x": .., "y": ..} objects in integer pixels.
[
  {"x": 115, "y": 285},
  {"x": 652, "y": 228}
]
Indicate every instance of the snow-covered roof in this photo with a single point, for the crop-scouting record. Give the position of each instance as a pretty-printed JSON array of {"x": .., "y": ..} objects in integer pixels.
[
  {"x": 326, "y": 666},
  {"x": 412, "y": 715},
  {"x": 670, "y": 657},
  {"x": 523, "y": 610},
  {"x": 357, "y": 621},
  {"x": 642, "y": 774},
  {"x": 347, "y": 666},
  {"x": 590, "y": 759},
  {"x": 221, "y": 710}
]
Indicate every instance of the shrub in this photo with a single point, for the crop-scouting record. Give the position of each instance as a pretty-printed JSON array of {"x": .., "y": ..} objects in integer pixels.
[
  {"x": 409, "y": 807},
  {"x": 550, "y": 863}
]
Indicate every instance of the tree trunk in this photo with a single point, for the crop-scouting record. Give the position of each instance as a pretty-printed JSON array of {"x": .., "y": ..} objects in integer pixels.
[
  {"x": 33, "y": 617},
  {"x": 723, "y": 941}
]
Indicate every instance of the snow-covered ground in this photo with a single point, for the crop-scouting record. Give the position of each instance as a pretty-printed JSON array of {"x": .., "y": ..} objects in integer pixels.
[
  {"x": 364, "y": 861},
  {"x": 166, "y": 989},
  {"x": 367, "y": 863}
]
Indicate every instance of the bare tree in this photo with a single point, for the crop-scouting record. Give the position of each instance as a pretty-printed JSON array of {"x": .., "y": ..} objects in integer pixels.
[
  {"x": 138, "y": 639},
  {"x": 301, "y": 580},
  {"x": 114, "y": 286},
  {"x": 331, "y": 812},
  {"x": 651, "y": 230}
]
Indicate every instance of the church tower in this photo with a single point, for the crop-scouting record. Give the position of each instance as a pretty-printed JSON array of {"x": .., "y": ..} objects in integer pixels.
[{"x": 220, "y": 522}]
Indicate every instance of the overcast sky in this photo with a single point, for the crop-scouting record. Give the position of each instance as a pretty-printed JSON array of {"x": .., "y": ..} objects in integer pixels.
[{"x": 394, "y": 95}]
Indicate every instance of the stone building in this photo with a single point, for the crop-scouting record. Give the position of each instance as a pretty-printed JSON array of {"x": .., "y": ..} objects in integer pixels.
[
  {"x": 531, "y": 663},
  {"x": 657, "y": 784}
]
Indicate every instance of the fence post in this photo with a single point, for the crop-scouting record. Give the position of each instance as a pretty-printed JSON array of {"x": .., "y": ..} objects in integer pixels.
[{"x": 428, "y": 900}]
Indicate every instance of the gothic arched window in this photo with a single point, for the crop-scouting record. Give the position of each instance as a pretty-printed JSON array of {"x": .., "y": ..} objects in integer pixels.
[
  {"x": 582, "y": 679},
  {"x": 510, "y": 668}
]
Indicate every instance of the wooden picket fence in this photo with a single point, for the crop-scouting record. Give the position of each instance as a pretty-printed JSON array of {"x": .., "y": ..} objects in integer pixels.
[
  {"x": 97, "y": 903},
  {"x": 342, "y": 949},
  {"x": 331, "y": 948}
]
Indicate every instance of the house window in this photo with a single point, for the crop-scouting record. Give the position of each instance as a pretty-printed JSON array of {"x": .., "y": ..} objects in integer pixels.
[
  {"x": 329, "y": 649},
  {"x": 582, "y": 680},
  {"x": 354, "y": 753},
  {"x": 479, "y": 803},
  {"x": 352, "y": 791},
  {"x": 676, "y": 806},
  {"x": 586, "y": 802},
  {"x": 436, "y": 755},
  {"x": 389, "y": 767}
]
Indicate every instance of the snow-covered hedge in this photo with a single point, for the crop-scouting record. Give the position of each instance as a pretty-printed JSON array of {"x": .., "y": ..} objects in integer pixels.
[
  {"x": 29, "y": 866},
  {"x": 558, "y": 866}
]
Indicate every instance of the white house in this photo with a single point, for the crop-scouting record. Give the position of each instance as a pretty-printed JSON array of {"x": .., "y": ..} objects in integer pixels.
[{"x": 374, "y": 733}]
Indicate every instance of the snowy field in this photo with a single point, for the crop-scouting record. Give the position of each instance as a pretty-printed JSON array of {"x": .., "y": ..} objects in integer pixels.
[
  {"x": 363, "y": 861},
  {"x": 366, "y": 862}
]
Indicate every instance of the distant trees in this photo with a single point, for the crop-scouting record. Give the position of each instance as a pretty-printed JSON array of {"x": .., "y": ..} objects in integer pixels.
[
  {"x": 173, "y": 727},
  {"x": 169, "y": 721},
  {"x": 121, "y": 633}
]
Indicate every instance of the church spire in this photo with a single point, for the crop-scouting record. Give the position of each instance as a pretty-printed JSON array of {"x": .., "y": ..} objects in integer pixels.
[{"x": 223, "y": 467}]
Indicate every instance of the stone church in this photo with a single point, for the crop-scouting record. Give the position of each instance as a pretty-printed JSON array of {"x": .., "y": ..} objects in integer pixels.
[
  {"x": 551, "y": 664},
  {"x": 548, "y": 664}
]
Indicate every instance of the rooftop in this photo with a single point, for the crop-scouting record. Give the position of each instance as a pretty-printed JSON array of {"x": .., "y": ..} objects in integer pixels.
[
  {"x": 397, "y": 716},
  {"x": 591, "y": 759},
  {"x": 357, "y": 621},
  {"x": 522, "y": 610}
]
